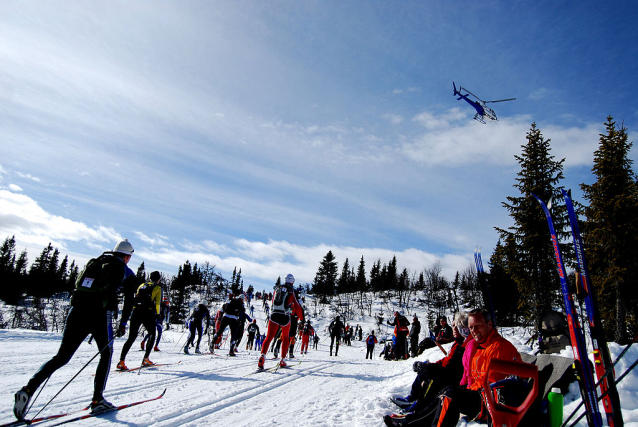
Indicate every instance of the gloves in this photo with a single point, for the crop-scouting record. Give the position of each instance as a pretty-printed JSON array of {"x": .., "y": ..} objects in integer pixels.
[
  {"x": 420, "y": 367},
  {"x": 121, "y": 330}
]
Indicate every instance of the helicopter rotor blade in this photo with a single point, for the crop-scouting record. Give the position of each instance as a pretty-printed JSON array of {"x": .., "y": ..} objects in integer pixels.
[
  {"x": 501, "y": 100},
  {"x": 462, "y": 88}
]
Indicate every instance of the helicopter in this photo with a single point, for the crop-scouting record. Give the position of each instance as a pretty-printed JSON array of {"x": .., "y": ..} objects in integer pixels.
[{"x": 482, "y": 111}]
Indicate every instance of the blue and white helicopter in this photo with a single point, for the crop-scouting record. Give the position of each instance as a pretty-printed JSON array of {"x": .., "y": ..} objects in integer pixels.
[{"x": 482, "y": 111}]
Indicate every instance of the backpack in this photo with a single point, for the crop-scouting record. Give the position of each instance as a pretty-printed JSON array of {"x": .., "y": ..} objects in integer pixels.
[
  {"x": 554, "y": 333},
  {"x": 100, "y": 275},
  {"x": 370, "y": 340},
  {"x": 279, "y": 299},
  {"x": 144, "y": 297}
]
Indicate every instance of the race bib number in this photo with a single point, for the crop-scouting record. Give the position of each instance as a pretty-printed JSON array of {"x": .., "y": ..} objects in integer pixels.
[{"x": 87, "y": 283}]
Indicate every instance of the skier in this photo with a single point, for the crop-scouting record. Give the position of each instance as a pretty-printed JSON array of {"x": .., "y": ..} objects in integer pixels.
[
  {"x": 267, "y": 310},
  {"x": 233, "y": 311},
  {"x": 253, "y": 330},
  {"x": 335, "y": 329},
  {"x": 145, "y": 312},
  {"x": 360, "y": 333},
  {"x": 414, "y": 335},
  {"x": 92, "y": 308},
  {"x": 164, "y": 308},
  {"x": 370, "y": 342},
  {"x": 252, "y": 311},
  {"x": 195, "y": 325},
  {"x": 315, "y": 342},
  {"x": 241, "y": 325},
  {"x": 284, "y": 303},
  {"x": 308, "y": 331},
  {"x": 400, "y": 324}
]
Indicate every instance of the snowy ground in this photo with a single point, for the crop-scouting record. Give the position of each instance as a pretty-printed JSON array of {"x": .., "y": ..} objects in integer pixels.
[{"x": 212, "y": 390}]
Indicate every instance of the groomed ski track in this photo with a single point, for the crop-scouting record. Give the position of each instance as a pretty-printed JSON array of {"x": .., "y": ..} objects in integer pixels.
[{"x": 347, "y": 390}]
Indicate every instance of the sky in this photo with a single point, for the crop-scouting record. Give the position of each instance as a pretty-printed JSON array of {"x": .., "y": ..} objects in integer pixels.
[{"x": 261, "y": 135}]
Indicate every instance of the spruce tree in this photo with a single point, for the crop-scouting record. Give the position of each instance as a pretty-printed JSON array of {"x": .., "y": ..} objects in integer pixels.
[
  {"x": 326, "y": 277},
  {"x": 532, "y": 265},
  {"x": 610, "y": 232},
  {"x": 361, "y": 282},
  {"x": 343, "y": 284}
]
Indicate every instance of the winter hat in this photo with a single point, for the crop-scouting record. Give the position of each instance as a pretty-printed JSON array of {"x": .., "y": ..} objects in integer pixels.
[
  {"x": 124, "y": 247},
  {"x": 290, "y": 279},
  {"x": 155, "y": 276}
]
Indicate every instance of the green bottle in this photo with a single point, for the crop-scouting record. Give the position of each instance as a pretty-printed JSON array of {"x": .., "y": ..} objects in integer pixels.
[{"x": 555, "y": 408}]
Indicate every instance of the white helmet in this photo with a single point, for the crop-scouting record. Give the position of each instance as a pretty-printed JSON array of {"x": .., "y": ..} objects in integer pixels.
[
  {"x": 124, "y": 247},
  {"x": 290, "y": 279}
]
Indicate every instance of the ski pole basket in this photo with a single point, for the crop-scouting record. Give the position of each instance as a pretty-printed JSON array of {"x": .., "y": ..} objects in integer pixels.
[{"x": 503, "y": 415}]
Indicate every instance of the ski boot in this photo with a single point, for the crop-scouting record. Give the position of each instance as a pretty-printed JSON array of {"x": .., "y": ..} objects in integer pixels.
[
  {"x": 22, "y": 399},
  {"x": 142, "y": 345},
  {"x": 99, "y": 406},
  {"x": 262, "y": 360},
  {"x": 197, "y": 350},
  {"x": 186, "y": 350},
  {"x": 156, "y": 348},
  {"x": 283, "y": 364},
  {"x": 121, "y": 366},
  {"x": 231, "y": 353},
  {"x": 147, "y": 362}
]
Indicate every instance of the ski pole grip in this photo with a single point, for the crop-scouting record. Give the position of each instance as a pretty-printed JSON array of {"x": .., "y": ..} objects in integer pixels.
[{"x": 508, "y": 416}]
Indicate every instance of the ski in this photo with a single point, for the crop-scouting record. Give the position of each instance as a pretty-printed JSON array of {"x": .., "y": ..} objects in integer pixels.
[
  {"x": 155, "y": 365},
  {"x": 602, "y": 359},
  {"x": 587, "y": 388},
  {"x": 42, "y": 419},
  {"x": 485, "y": 292},
  {"x": 272, "y": 369},
  {"x": 117, "y": 408}
]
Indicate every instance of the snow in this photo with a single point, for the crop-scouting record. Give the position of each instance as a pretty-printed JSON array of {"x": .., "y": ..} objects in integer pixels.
[{"x": 215, "y": 390}]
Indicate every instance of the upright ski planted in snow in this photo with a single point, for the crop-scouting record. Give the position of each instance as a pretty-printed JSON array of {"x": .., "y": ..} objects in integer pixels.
[
  {"x": 587, "y": 388},
  {"x": 602, "y": 359},
  {"x": 485, "y": 292}
]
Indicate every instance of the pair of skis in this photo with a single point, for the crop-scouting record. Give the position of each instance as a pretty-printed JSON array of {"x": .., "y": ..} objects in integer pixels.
[
  {"x": 272, "y": 369},
  {"x": 602, "y": 359},
  {"x": 79, "y": 417},
  {"x": 485, "y": 292}
]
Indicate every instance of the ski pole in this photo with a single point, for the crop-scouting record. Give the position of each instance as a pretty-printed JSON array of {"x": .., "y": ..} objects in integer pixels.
[
  {"x": 74, "y": 376},
  {"x": 609, "y": 371},
  {"x": 633, "y": 365}
]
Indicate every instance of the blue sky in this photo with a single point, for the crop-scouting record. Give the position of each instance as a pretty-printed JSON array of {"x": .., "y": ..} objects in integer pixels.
[{"x": 263, "y": 134}]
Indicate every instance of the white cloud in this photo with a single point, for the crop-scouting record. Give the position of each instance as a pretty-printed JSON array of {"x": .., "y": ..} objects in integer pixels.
[
  {"x": 15, "y": 188},
  {"x": 28, "y": 176},
  {"x": 23, "y": 217}
]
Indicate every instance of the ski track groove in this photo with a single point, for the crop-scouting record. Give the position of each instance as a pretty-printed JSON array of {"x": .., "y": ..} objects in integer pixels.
[{"x": 242, "y": 396}]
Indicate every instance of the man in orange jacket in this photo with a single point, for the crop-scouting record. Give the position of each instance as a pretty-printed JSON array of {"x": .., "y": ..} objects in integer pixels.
[{"x": 458, "y": 400}]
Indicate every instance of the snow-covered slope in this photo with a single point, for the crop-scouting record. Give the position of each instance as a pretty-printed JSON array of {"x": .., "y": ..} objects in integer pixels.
[{"x": 214, "y": 390}]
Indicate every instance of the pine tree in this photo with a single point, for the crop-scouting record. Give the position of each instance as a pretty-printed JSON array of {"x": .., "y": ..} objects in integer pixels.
[
  {"x": 610, "y": 232},
  {"x": 375, "y": 276},
  {"x": 343, "y": 284},
  {"x": 141, "y": 272},
  {"x": 326, "y": 277},
  {"x": 532, "y": 265},
  {"x": 361, "y": 282},
  {"x": 503, "y": 288}
]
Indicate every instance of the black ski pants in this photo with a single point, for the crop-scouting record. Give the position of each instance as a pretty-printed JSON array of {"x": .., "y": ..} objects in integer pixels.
[
  {"x": 332, "y": 340},
  {"x": 234, "y": 326},
  {"x": 138, "y": 318},
  {"x": 194, "y": 327},
  {"x": 370, "y": 351},
  {"x": 82, "y": 321}
]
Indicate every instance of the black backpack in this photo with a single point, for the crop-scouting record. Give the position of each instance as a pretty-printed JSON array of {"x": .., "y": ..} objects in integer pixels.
[
  {"x": 144, "y": 297},
  {"x": 100, "y": 276}
]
